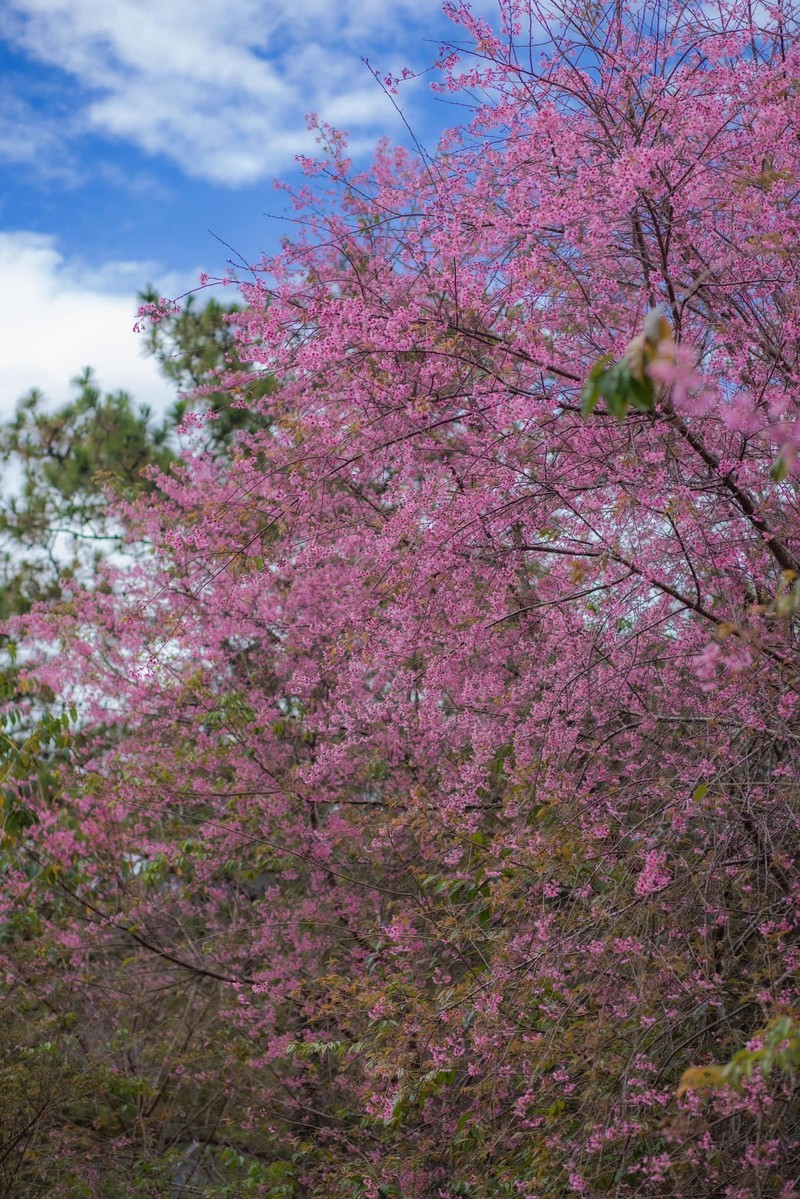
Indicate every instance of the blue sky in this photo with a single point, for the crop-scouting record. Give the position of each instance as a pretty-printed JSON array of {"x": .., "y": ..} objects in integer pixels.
[{"x": 130, "y": 128}]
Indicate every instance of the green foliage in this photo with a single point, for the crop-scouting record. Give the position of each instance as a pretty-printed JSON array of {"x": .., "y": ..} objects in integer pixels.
[
  {"x": 54, "y": 524},
  {"x": 774, "y": 1049},
  {"x": 625, "y": 383},
  {"x": 64, "y": 460},
  {"x": 316, "y": 1049},
  {"x": 615, "y": 383},
  {"x": 269, "y": 1180},
  {"x": 33, "y": 740},
  {"x": 91, "y": 435},
  {"x": 195, "y": 348}
]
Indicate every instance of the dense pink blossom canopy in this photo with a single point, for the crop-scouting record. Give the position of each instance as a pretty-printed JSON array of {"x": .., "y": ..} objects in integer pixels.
[{"x": 447, "y": 736}]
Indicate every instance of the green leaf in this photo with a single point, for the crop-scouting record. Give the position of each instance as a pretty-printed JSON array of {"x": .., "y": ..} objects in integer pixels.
[
  {"x": 617, "y": 405},
  {"x": 600, "y": 367},
  {"x": 589, "y": 397},
  {"x": 642, "y": 394},
  {"x": 780, "y": 469},
  {"x": 591, "y": 391}
]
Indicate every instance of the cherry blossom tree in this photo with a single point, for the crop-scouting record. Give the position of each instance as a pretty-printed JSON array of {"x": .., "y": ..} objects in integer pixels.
[{"x": 432, "y": 819}]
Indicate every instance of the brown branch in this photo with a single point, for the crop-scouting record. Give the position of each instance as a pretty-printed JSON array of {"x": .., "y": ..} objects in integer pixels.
[{"x": 779, "y": 550}]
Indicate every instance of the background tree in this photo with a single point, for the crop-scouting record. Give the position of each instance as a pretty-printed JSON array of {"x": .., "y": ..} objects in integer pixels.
[
  {"x": 67, "y": 468},
  {"x": 197, "y": 349},
  {"x": 64, "y": 463}
]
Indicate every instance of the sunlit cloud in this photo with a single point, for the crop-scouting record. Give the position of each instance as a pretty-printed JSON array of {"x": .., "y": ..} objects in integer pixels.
[
  {"x": 58, "y": 317},
  {"x": 222, "y": 90}
]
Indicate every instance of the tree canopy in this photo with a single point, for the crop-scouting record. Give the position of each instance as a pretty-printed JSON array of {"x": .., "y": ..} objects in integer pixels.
[{"x": 427, "y": 822}]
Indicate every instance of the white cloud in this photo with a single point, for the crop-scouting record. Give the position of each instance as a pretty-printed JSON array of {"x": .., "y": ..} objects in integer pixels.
[
  {"x": 222, "y": 88},
  {"x": 58, "y": 317}
]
